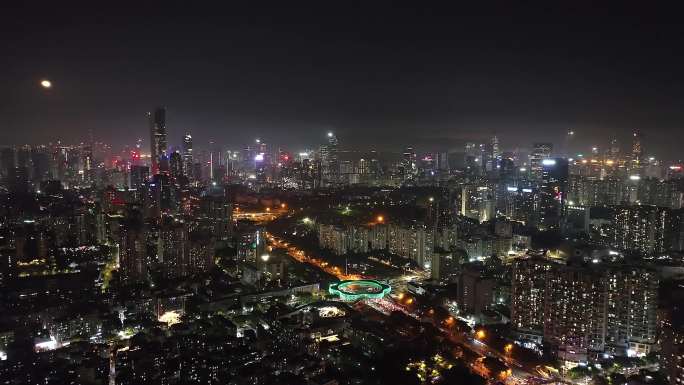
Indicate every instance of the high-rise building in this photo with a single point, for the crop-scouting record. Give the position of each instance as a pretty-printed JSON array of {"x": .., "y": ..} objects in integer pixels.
[
  {"x": 133, "y": 259},
  {"x": 553, "y": 192},
  {"x": 540, "y": 151},
  {"x": 523, "y": 205},
  {"x": 631, "y": 307},
  {"x": 528, "y": 298},
  {"x": 330, "y": 161},
  {"x": 657, "y": 192},
  {"x": 138, "y": 176},
  {"x": 88, "y": 165},
  {"x": 160, "y": 196},
  {"x": 637, "y": 150},
  {"x": 592, "y": 191},
  {"x": 176, "y": 165},
  {"x": 445, "y": 267},
  {"x": 40, "y": 158},
  {"x": 415, "y": 242},
  {"x": 478, "y": 202},
  {"x": 475, "y": 290},
  {"x": 158, "y": 145},
  {"x": 574, "y": 317},
  {"x": 201, "y": 251},
  {"x": 17, "y": 180},
  {"x": 187, "y": 155},
  {"x": 643, "y": 229},
  {"x": 443, "y": 161},
  {"x": 583, "y": 311},
  {"x": 496, "y": 151},
  {"x": 409, "y": 163},
  {"x": 174, "y": 247},
  {"x": 216, "y": 211},
  {"x": 671, "y": 337},
  {"x": 7, "y": 161}
]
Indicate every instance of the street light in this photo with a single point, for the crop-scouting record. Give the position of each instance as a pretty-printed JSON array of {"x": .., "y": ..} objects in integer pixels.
[
  {"x": 380, "y": 219},
  {"x": 480, "y": 335},
  {"x": 508, "y": 348}
]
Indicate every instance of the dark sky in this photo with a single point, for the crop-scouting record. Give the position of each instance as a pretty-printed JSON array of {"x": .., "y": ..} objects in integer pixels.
[{"x": 379, "y": 75}]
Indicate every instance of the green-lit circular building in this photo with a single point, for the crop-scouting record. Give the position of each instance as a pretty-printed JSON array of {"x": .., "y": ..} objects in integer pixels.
[{"x": 352, "y": 290}]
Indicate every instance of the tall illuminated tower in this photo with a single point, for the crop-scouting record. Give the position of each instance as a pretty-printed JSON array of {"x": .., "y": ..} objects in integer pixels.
[
  {"x": 329, "y": 160},
  {"x": 187, "y": 154},
  {"x": 496, "y": 151},
  {"x": 553, "y": 192},
  {"x": 157, "y": 121},
  {"x": 637, "y": 150},
  {"x": 540, "y": 151}
]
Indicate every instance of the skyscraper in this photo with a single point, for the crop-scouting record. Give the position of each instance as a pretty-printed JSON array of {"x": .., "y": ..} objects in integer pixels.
[
  {"x": 409, "y": 163},
  {"x": 329, "y": 160},
  {"x": 157, "y": 121},
  {"x": 540, "y": 151},
  {"x": 187, "y": 155},
  {"x": 637, "y": 150},
  {"x": 133, "y": 257},
  {"x": 174, "y": 248},
  {"x": 176, "y": 165},
  {"x": 496, "y": 153},
  {"x": 553, "y": 191}
]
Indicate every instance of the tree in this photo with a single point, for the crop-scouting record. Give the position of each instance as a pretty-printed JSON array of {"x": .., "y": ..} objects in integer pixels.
[{"x": 578, "y": 372}]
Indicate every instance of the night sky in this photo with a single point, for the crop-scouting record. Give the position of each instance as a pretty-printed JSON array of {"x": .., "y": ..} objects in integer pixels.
[{"x": 380, "y": 76}]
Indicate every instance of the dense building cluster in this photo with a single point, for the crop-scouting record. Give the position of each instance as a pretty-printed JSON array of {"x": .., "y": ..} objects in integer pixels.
[
  {"x": 585, "y": 311},
  {"x": 202, "y": 264}
]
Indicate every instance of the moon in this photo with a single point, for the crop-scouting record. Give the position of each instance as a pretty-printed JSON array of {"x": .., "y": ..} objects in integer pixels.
[{"x": 46, "y": 83}]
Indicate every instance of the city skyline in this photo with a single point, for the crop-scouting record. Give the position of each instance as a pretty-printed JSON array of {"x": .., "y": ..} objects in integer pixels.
[
  {"x": 459, "y": 76},
  {"x": 341, "y": 194}
]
